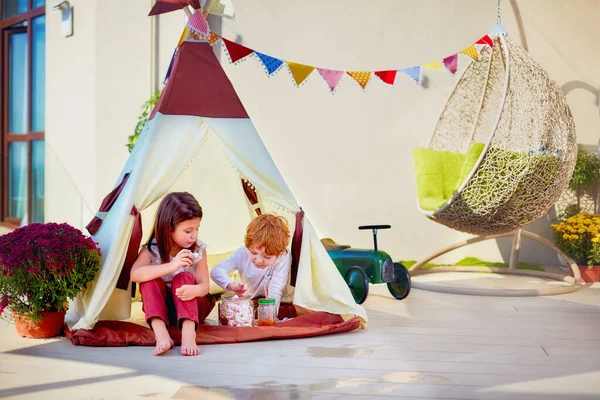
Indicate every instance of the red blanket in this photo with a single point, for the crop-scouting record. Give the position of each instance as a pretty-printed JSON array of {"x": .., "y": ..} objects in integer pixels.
[{"x": 118, "y": 333}]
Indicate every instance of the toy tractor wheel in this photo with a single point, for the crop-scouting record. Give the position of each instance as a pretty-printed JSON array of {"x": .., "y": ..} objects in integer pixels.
[
  {"x": 400, "y": 286},
  {"x": 358, "y": 282}
]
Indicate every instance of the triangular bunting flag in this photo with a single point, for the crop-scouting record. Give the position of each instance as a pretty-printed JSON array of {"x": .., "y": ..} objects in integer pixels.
[
  {"x": 184, "y": 35},
  {"x": 272, "y": 64},
  {"x": 198, "y": 23},
  {"x": 236, "y": 51},
  {"x": 168, "y": 74},
  {"x": 331, "y": 76},
  {"x": 212, "y": 38},
  {"x": 471, "y": 52},
  {"x": 412, "y": 72},
  {"x": 451, "y": 63},
  {"x": 436, "y": 66},
  {"x": 486, "y": 40},
  {"x": 361, "y": 77},
  {"x": 388, "y": 77},
  {"x": 299, "y": 71}
]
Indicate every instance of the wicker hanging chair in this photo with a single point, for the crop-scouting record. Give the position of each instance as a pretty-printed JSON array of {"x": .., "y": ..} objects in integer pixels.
[
  {"x": 502, "y": 152},
  {"x": 513, "y": 122}
]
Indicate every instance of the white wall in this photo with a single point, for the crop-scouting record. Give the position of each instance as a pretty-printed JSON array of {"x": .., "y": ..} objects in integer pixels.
[
  {"x": 346, "y": 156},
  {"x": 97, "y": 81}
]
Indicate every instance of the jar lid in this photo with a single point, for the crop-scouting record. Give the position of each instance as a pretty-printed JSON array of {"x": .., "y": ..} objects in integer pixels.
[{"x": 266, "y": 301}]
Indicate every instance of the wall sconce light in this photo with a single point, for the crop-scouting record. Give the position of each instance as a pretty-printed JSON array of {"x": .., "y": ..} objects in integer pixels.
[{"x": 66, "y": 12}]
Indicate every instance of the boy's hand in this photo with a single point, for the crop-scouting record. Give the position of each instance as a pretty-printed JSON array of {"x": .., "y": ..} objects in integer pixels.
[
  {"x": 238, "y": 288},
  {"x": 186, "y": 292},
  {"x": 184, "y": 258}
]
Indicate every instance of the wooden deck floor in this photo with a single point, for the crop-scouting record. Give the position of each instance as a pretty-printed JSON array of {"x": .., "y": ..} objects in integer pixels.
[{"x": 430, "y": 346}]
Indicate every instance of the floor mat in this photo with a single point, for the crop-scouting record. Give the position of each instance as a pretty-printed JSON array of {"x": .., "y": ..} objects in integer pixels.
[{"x": 122, "y": 333}]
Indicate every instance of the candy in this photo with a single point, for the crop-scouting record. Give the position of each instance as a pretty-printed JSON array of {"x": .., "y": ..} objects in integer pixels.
[{"x": 235, "y": 311}]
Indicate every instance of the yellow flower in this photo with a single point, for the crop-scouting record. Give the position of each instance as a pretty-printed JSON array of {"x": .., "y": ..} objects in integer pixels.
[
  {"x": 595, "y": 240},
  {"x": 575, "y": 236}
]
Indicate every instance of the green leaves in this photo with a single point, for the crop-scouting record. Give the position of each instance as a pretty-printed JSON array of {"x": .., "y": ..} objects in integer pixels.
[
  {"x": 142, "y": 119},
  {"x": 586, "y": 172}
]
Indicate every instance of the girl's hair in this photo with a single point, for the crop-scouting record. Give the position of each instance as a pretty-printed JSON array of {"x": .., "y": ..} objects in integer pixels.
[
  {"x": 268, "y": 231},
  {"x": 175, "y": 208}
]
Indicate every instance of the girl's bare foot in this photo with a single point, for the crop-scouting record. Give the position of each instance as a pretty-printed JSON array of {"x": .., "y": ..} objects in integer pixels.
[
  {"x": 163, "y": 340},
  {"x": 188, "y": 338}
]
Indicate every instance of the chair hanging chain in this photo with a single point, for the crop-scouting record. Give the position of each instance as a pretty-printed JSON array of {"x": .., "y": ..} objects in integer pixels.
[{"x": 498, "y": 17}]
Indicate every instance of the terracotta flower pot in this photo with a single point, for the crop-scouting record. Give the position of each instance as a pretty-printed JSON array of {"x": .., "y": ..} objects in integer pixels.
[
  {"x": 589, "y": 274},
  {"x": 51, "y": 325}
]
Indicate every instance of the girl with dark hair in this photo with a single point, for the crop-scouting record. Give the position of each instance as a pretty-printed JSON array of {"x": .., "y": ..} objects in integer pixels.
[{"x": 173, "y": 273}]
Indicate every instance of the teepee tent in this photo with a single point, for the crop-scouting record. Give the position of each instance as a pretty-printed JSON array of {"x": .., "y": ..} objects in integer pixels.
[{"x": 200, "y": 139}]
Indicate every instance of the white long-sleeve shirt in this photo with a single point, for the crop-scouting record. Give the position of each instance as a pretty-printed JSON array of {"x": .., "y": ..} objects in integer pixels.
[{"x": 275, "y": 277}]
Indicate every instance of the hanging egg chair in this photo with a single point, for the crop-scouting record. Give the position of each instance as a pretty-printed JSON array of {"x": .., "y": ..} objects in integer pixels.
[
  {"x": 505, "y": 144},
  {"x": 501, "y": 153}
]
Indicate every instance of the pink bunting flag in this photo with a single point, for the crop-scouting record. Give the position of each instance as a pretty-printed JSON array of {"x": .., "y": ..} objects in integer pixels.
[
  {"x": 331, "y": 76},
  {"x": 486, "y": 40},
  {"x": 451, "y": 63},
  {"x": 198, "y": 23}
]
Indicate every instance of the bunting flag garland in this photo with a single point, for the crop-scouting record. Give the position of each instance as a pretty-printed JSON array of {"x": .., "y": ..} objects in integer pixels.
[
  {"x": 198, "y": 23},
  {"x": 331, "y": 76},
  {"x": 272, "y": 64},
  {"x": 213, "y": 37},
  {"x": 451, "y": 63},
  {"x": 198, "y": 30},
  {"x": 412, "y": 72},
  {"x": 236, "y": 51},
  {"x": 435, "y": 66},
  {"x": 486, "y": 40},
  {"x": 184, "y": 35},
  {"x": 299, "y": 71},
  {"x": 388, "y": 77},
  {"x": 170, "y": 68},
  {"x": 361, "y": 77},
  {"x": 471, "y": 52}
]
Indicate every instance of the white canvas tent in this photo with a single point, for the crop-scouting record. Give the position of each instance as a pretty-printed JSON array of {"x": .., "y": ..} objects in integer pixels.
[{"x": 201, "y": 140}]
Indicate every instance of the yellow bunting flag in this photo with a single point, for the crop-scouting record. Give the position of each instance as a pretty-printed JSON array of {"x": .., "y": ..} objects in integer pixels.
[
  {"x": 361, "y": 77},
  {"x": 471, "y": 52},
  {"x": 184, "y": 35},
  {"x": 299, "y": 71},
  {"x": 213, "y": 38},
  {"x": 436, "y": 66}
]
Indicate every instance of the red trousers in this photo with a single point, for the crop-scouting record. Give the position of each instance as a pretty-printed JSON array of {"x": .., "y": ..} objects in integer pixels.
[{"x": 160, "y": 302}]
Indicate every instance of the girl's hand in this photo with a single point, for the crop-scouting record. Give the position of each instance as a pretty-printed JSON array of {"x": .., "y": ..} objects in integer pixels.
[
  {"x": 238, "y": 288},
  {"x": 184, "y": 258},
  {"x": 186, "y": 292}
]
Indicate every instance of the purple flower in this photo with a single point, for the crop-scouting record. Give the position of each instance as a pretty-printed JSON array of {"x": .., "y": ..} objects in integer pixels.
[
  {"x": 46, "y": 264},
  {"x": 3, "y": 303}
]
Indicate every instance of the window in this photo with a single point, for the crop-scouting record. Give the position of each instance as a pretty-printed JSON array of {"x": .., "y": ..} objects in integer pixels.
[{"x": 23, "y": 51}]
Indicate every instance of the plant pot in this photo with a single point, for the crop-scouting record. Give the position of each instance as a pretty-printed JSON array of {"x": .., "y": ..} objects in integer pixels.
[
  {"x": 51, "y": 325},
  {"x": 589, "y": 274}
]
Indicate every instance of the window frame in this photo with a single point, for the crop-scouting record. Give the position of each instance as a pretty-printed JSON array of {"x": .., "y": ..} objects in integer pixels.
[{"x": 7, "y": 26}]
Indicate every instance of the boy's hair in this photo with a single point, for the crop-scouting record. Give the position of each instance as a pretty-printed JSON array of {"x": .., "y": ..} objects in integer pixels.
[
  {"x": 175, "y": 208},
  {"x": 268, "y": 231}
]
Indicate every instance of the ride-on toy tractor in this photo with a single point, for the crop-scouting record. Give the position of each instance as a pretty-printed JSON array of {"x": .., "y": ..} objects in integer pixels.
[{"x": 361, "y": 266}]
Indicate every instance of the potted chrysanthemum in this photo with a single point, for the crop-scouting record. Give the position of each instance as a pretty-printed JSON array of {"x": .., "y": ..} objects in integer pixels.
[
  {"x": 42, "y": 266},
  {"x": 578, "y": 236}
]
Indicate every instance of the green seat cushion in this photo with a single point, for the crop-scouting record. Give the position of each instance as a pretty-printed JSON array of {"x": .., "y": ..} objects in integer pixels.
[{"x": 441, "y": 173}]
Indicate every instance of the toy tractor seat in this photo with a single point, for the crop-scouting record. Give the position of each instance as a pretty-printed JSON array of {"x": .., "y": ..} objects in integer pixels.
[{"x": 331, "y": 245}]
